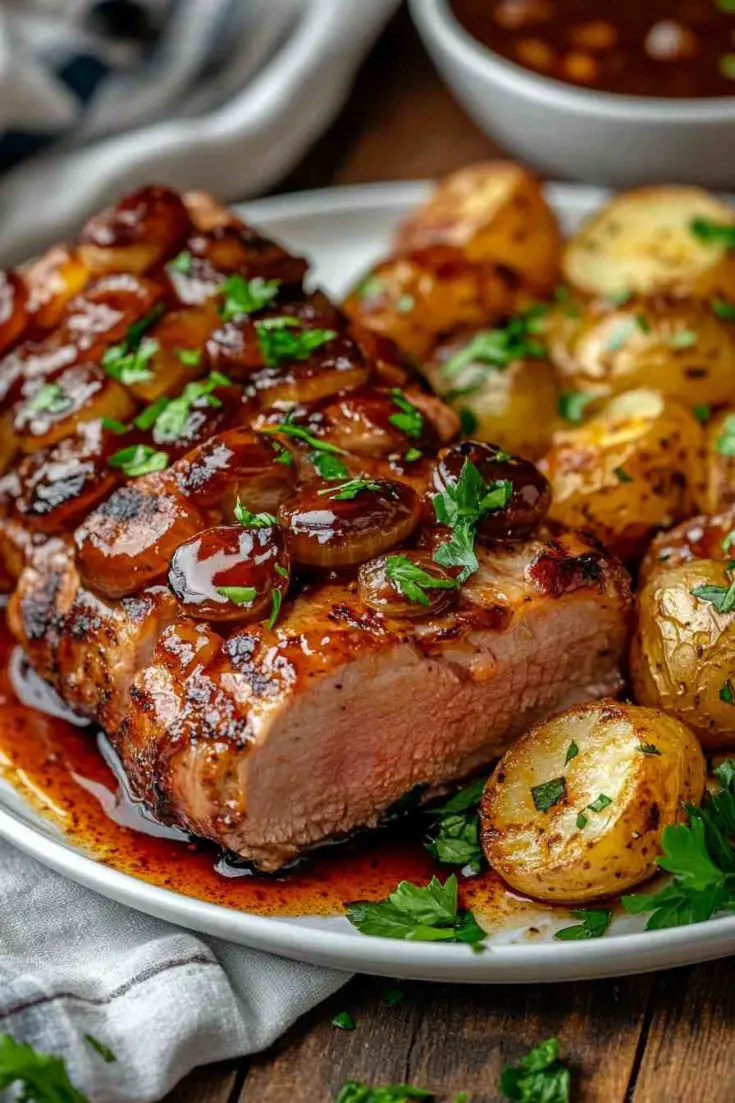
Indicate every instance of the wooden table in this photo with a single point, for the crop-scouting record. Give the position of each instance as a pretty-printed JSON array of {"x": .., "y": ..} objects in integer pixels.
[{"x": 649, "y": 1039}]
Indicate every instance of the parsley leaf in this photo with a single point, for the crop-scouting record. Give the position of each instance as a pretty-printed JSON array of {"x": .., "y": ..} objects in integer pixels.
[
  {"x": 427, "y": 913},
  {"x": 52, "y": 399},
  {"x": 113, "y": 425},
  {"x": 412, "y": 581},
  {"x": 455, "y": 838},
  {"x": 702, "y": 412},
  {"x": 467, "y": 422},
  {"x": 600, "y": 803},
  {"x": 572, "y": 752},
  {"x": 243, "y": 296},
  {"x": 727, "y": 694},
  {"x": 139, "y": 459},
  {"x": 104, "y": 1051},
  {"x": 723, "y": 309},
  {"x": 572, "y": 405},
  {"x": 253, "y": 520},
  {"x": 461, "y": 505},
  {"x": 725, "y": 444},
  {"x": 498, "y": 348},
  {"x": 329, "y": 466},
  {"x": 190, "y": 358},
  {"x": 412, "y": 455},
  {"x": 42, "y": 1076},
  {"x": 713, "y": 233},
  {"x": 541, "y": 1077},
  {"x": 622, "y": 475},
  {"x": 410, "y": 420},
  {"x": 171, "y": 421},
  {"x": 240, "y": 595},
  {"x": 345, "y": 492},
  {"x": 128, "y": 362},
  {"x": 683, "y": 339},
  {"x": 648, "y": 748},
  {"x": 459, "y": 551},
  {"x": 298, "y": 432},
  {"x": 722, "y": 597},
  {"x": 595, "y": 922},
  {"x": 276, "y": 601},
  {"x": 620, "y": 335},
  {"x": 279, "y": 340},
  {"x": 548, "y": 793},
  {"x": 182, "y": 262},
  {"x": 356, "y": 1092},
  {"x": 344, "y": 1021}
]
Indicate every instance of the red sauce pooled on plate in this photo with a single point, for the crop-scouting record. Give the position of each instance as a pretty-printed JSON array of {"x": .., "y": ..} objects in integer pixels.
[
  {"x": 62, "y": 770},
  {"x": 672, "y": 48}
]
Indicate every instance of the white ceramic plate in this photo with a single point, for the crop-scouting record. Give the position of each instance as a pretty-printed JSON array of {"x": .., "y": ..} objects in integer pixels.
[{"x": 343, "y": 230}]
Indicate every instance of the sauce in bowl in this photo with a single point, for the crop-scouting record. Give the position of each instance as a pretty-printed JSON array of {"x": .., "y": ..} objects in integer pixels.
[{"x": 662, "y": 48}]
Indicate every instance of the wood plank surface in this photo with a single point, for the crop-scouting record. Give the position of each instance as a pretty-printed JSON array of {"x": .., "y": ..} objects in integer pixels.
[{"x": 645, "y": 1039}]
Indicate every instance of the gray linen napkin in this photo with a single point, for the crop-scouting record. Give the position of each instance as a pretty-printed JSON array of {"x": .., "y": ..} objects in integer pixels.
[{"x": 163, "y": 999}]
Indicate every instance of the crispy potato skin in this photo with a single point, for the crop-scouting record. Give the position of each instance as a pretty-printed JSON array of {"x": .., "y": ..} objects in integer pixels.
[
  {"x": 626, "y": 471},
  {"x": 676, "y": 346},
  {"x": 546, "y": 854},
  {"x": 515, "y": 408},
  {"x": 700, "y": 537},
  {"x": 641, "y": 242},
  {"x": 683, "y": 650}
]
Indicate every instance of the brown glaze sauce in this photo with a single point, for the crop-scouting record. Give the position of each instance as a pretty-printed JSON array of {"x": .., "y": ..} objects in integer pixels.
[
  {"x": 670, "y": 48},
  {"x": 62, "y": 770}
]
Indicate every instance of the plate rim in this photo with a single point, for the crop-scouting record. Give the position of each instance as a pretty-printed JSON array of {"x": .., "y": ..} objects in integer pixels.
[{"x": 531, "y": 962}]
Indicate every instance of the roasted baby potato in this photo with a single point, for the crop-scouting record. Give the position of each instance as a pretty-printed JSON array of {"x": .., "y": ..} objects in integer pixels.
[
  {"x": 513, "y": 404},
  {"x": 682, "y": 658},
  {"x": 704, "y": 537},
  {"x": 627, "y": 470},
  {"x": 653, "y": 240},
  {"x": 494, "y": 213},
  {"x": 676, "y": 346},
  {"x": 574, "y": 811},
  {"x": 717, "y": 491}
]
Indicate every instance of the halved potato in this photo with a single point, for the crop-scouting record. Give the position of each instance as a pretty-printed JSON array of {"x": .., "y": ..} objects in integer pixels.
[
  {"x": 683, "y": 653},
  {"x": 626, "y": 471},
  {"x": 676, "y": 346},
  {"x": 495, "y": 213},
  {"x": 651, "y": 240},
  {"x": 513, "y": 406},
  {"x": 574, "y": 811}
]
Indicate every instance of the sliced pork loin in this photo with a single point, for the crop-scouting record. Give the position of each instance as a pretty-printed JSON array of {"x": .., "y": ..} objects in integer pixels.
[{"x": 271, "y": 741}]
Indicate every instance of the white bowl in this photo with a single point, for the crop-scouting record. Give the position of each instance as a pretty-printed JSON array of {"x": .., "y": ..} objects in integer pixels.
[{"x": 573, "y": 132}]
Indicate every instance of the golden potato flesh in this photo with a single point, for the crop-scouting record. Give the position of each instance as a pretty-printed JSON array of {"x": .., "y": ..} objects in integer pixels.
[
  {"x": 514, "y": 406},
  {"x": 626, "y": 471},
  {"x": 717, "y": 490},
  {"x": 678, "y": 347},
  {"x": 495, "y": 213},
  {"x": 574, "y": 811},
  {"x": 652, "y": 240},
  {"x": 683, "y": 653}
]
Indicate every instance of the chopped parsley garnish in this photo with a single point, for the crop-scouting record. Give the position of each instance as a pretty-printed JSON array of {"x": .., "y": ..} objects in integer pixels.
[
  {"x": 139, "y": 459},
  {"x": 412, "y": 581},
  {"x": 683, "y": 339},
  {"x": 541, "y": 1077},
  {"x": 128, "y": 362},
  {"x": 727, "y": 693},
  {"x": 722, "y": 597},
  {"x": 104, "y": 1051},
  {"x": 286, "y": 338},
  {"x": 582, "y": 820},
  {"x": 420, "y": 913},
  {"x": 702, "y": 412},
  {"x": 648, "y": 748},
  {"x": 724, "y": 309},
  {"x": 182, "y": 262},
  {"x": 595, "y": 922},
  {"x": 713, "y": 233},
  {"x": 727, "y": 542},
  {"x": 297, "y": 432},
  {"x": 643, "y": 323},
  {"x": 371, "y": 287},
  {"x": 356, "y": 1092},
  {"x": 725, "y": 444},
  {"x": 329, "y": 466},
  {"x": 52, "y": 399},
  {"x": 622, "y": 475},
  {"x": 190, "y": 358},
  {"x": 410, "y": 420},
  {"x": 572, "y": 752},
  {"x": 572, "y": 405},
  {"x": 548, "y": 793},
  {"x": 240, "y": 595},
  {"x": 392, "y": 994},
  {"x": 455, "y": 837},
  {"x": 42, "y": 1077},
  {"x": 467, "y": 422},
  {"x": 701, "y": 858},
  {"x": 498, "y": 348},
  {"x": 241, "y": 296},
  {"x": 599, "y": 803},
  {"x": 619, "y": 298},
  {"x": 276, "y": 601},
  {"x": 253, "y": 520},
  {"x": 620, "y": 335},
  {"x": 461, "y": 505},
  {"x": 113, "y": 425},
  {"x": 345, "y": 492},
  {"x": 147, "y": 418},
  {"x": 412, "y": 455},
  {"x": 171, "y": 420},
  {"x": 344, "y": 1021}
]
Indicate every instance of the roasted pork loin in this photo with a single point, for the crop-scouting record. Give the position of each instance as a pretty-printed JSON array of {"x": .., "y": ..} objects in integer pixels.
[{"x": 221, "y": 518}]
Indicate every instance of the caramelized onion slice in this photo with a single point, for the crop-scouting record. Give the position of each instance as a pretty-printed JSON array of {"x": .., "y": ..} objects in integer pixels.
[
  {"x": 231, "y": 573},
  {"x": 136, "y": 233},
  {"x": 406, "y": 584},
  {"x": 52, "y": 281},
  {"x": 53, "y": 410},
  {"x": 237, "y": 464},
  {"x": 128, "y": 541},
  {"x": 341, "y": 525},
  {"x": 530, "y": 494}
]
